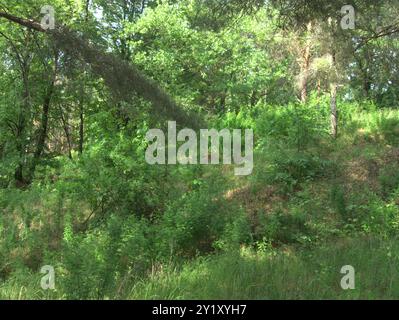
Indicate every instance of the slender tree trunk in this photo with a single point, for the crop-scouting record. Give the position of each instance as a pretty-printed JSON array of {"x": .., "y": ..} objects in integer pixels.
[
  {"x": 222, "y": 104},
  {"x": 87, "y": 5},
  {"x": 65, "y": 125},
  {"x": 305, "y": 74},
  {"x": 254, "y": 98},
  {"x": 81, "y": 114},
  {"x": 366, "y": 85},
  {"x": 334, "y": 112},
  {"x": 41, "y": 140},
  {"x": 318, "y": 88},
  {"x": 365, "y": 75},
  {"x": 333, "y": 103},
  {"x": 43, "y": 129},
  {"x": 305, "y": 66},
  {"x": 20, "y": 181},
  {"x": 81, "y": 128}
]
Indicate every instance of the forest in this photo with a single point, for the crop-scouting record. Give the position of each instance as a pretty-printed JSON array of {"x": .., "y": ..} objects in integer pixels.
[{"x": 295, "y": 195}]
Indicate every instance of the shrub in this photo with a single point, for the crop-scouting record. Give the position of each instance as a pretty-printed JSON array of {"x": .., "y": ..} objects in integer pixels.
[
  {"x": 389, "y": 180},
  {"x": 196, "y": 220},
  {"x": 283, "y": 228}
]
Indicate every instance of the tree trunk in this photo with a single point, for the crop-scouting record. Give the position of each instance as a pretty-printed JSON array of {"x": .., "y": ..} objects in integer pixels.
[
  {"x": 364, "y": 70},
  {"x": 318, "y": 88},
  {"x": 41, "y": 140},
  {"x": 81, "y": 128},
  {"x": 20, "y": 181},
  {"x": 65, "y": 125},
  {"x": 334, "y": 112},
  {"x": 366, "y": 86},
  {"x": 43, "y": 130},
  {"x": 305, "y": 74},
  {"x": 87, "y": 5},
  {"x": 254, "y": 98},
  {"x": 305, "y": 66}
]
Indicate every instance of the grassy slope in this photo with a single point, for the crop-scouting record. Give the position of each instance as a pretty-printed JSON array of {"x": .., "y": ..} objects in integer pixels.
[
  {"x": 367, "y": 159},
  {"x": 364, "y": 151}
]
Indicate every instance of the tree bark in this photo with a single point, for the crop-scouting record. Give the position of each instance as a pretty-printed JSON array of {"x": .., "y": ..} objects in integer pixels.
[
  {"x": 318, "y": 88},
  {"x": 65, "y": 125},
  {"x": 334, "y": 112},
  {"x": 305, "y": 66},
  {"x": 305, "y": 74},
  {"x": 333, "y": 103},
  {"x": 41, "y": 140},
  {"x": 20, "y": 132},
  {"x": 366, "y": 79},
  {"x": 81, "y": 127}
]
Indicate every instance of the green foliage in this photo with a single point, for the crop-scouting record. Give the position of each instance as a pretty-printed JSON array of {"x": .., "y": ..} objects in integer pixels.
[
  {"x": 338, "y": 201},
  {"x": 389, "y": 180},
  {"x": 194, "y": 222},
  {"x": 220, "y": 71},
  {"x": 282, "y": 228},
  {"x": 308, "y": 274},
  {"x": 76, "y": 192},
  {"x": 288, "y": 143},
  {"x": 96, "y": 263}
]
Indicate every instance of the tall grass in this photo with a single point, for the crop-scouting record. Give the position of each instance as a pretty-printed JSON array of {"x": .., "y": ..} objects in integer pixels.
[{"x": 287, "y": 275}]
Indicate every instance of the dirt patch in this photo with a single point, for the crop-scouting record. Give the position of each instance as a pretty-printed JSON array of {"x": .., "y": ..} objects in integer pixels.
[{"x": 253, "y": 201}]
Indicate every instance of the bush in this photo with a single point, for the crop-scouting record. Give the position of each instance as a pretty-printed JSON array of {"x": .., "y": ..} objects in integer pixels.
[
  {"x": 291, "y": 127},
  {"x": 289, "y": 169},
  {"x": 96, "y": 264},
  {"x": 197, "y": 220},
  {"x": 389, "y": 180},
  {"x": 282, "y": 228}
]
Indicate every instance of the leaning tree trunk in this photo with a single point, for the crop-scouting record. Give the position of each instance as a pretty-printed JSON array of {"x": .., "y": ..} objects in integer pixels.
[{"x": 122, "y": 78}]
